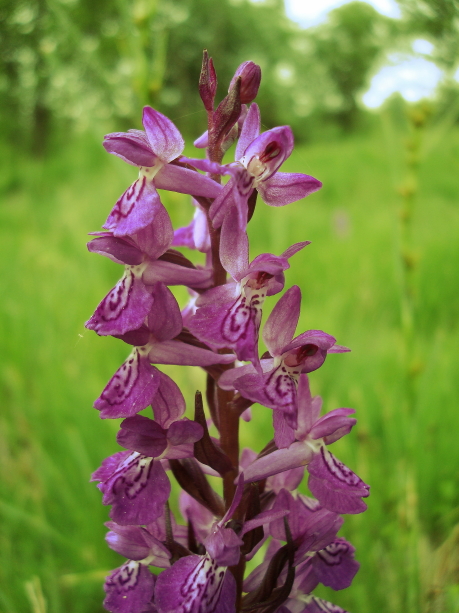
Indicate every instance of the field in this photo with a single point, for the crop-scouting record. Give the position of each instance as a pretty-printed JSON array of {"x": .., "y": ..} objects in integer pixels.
[{"x": 52, "y": 552}]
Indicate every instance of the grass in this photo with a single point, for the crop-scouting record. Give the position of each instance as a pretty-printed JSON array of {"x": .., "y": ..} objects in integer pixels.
[{"x": 53, "y": 557}]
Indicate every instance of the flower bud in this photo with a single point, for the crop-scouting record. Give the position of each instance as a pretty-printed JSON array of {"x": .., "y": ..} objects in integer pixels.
[{"x": 250, "y": 74}]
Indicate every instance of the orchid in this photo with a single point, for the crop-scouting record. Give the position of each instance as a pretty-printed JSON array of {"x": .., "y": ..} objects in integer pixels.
[
  {"x": 200, "y": 560},
  {"x": 276, "y": 387},
  {"x": 152, "y": 151}
]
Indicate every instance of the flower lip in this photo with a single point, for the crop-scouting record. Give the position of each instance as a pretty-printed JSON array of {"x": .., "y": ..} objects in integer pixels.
[{"x": 300, "y": 355}]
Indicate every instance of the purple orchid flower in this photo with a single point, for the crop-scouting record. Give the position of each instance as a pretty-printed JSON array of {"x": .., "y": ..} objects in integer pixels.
[
  {"x": 134, "y": 482},
  {"x": 230, "y": 315},
  {"x": 152, "y": 151},
  {"x": 196, "y": 235},
  {"x": 136, "y": 383},
  {"x": 130, "y": 589},
  {"x": 333, "y": 566},
  {"x": 203, "y": 583},
  {"x": 276, "y": 388},
  {"x": 258, "y": 158},
  {"x": 147, "y": 261},
  {"x": 335, "y": 486}
]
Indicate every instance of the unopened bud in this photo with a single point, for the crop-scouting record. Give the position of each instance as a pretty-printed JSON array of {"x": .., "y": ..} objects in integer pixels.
[
  {"x": 207, "y": 82},
  {"x": 250, "y": 74}
]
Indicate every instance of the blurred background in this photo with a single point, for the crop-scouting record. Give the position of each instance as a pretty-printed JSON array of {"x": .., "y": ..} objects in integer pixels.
[{"x": 371, "y": 92}]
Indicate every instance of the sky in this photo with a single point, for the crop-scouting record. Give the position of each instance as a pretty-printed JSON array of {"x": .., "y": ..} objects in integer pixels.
[{"x": 413, "y": 75}]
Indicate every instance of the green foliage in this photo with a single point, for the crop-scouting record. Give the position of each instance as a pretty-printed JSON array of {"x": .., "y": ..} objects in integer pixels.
[{"x": 438, "y": 20}]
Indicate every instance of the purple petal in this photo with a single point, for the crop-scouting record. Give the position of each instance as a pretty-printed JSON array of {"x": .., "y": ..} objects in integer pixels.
[
  {"x": 276, "y": 390},
  {"x": 335, "y": 566},
  {"x": 130, "y": 390},
  {"x": 184, "y": 431},
  {"x": 128, "y": 541},
  {"x": 195, "y": 583},
  {"x": 206, "y": 165},
  {"x": 168, "y": 403},
  {"x": 143, "y": 435},
  {"x": 281, "y": 324},
  {"x": 137, "y": 338},
  {"x": 174, "y": 274},
  {"x": 229, "y": 378},
  {"x": 223, "y": 546},
  {"x": 284, "y": 434},
  {"x": 312, "y": 337},
  {"x": 119, "y": 250},
  {"x": 178, "y": 179},
  {"x": 234, "y": 246},
  {"x": 334, "y": 425},
  {"x": 109, "y": 465},
  {"x": 223, "y": 203},
  {"x": 156, "y": 238},
  {"x": 202, "y": 141},
  {"x": 308, "y": 408},
  {"x": 335, "y": 485},
  {"x": 250, "y": 130},
  {"x": 176, "y": 352},
  {"x": 165, "y": 319},
  {"x": 122, "y": 309},
  {"x": 298, "y": 454},
  {"x": 137, "y": 490},
  {"x": 288, "y": 253},
  {"x": 286, "y": 187},
  {"x": 135, "y": 209},
  {"x": 268, "y": 151},
  {"x": 132, "y": 147},
  {"x": 165, "y": 140},
  {"x": 129, "y": 588},
  {"x": 317, "y": 605},
  {"x": 288, "y": 479}
]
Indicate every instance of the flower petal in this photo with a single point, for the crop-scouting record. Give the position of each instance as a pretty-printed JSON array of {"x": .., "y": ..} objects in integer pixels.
[
  {"x": 178, "y": 179},
  {"x": 129, "y": 588},
  {"x": 168, "y": 403},
  {"x": 124, "y": 308},
  {"x": 131, "y": 389},
  {"x": 195, "y": 583},
  {"x": 182, "y": 354},
  {"x": 137, "y": 490},
  {"x": 250, "y": 130},
  {"x": 286, "y": 187},
  {"x": 135, "y": 209},
  {"x": 281, "y": 324},
  {"x": 132, "y": 147},
  {"x": 335, "y": 485},
  {"x": 119, "y": 250},
  {"x": 164, "y": 319},
  {"x": 165, "y": 139}
]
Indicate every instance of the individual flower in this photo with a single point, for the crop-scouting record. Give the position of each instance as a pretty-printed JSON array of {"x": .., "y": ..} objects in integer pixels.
[
  {"x": 230, "y": 315},
  {"x": 136, "y": 383},
  {"x": 134, "y": 482},
  {"x": 276, "y": 387},
  {"x": 258, "y": 158},
  {"x": 147, "y": 261},
  {"x": 152, "y": 151},
  {"x": 335, "y": 486}
]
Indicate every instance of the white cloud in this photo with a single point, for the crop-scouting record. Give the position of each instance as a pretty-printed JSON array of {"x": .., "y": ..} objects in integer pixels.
[
  {"x": 413, "y": 77},
  {"x": 311, "y": 13},
  {"x": 422, "y": 46}
]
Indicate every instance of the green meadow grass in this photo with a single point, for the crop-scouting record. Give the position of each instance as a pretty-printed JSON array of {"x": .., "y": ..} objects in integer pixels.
[{"x": 53, "y": 556}]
